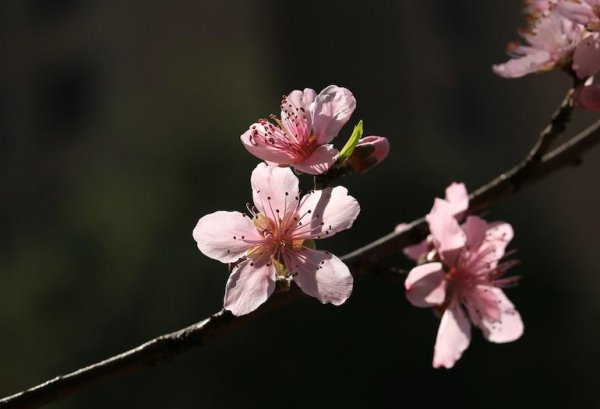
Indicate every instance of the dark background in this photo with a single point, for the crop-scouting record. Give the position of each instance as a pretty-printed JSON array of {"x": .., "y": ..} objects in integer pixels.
[{"x": 119, "y": 128}]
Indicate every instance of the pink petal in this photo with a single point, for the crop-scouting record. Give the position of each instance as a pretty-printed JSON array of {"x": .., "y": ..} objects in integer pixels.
[
  {"x": 577, "y": 12},
  {"x": 447, "y": 234},
  {"x": 224, "y": 236},
  {"x": 588, "y": 97},
  {"x": 330, "y": 111},
  {"x": 416, "y": 252},
  {"x": 517, "y": 67},
  {"x": 508, "y": 327},
  {"x": 323, "y": 213},
  {"x": 453, "y": 338},
  {"x": 267, "y": 151},
  {"x": 319, "y": 161},
  {"x": 586, "y": 59},
  {"x": 458, "y": 197},
  {"x": 274, "y": 190},
  {"x": 499, "y": 234},
  {"x": 320, "y": 274},
  {"x": 475, "y": 229},
  {"x": 250, "y": 285},
  {"x": 300, "y": 100},
  {"x": 425, "y": 285}
]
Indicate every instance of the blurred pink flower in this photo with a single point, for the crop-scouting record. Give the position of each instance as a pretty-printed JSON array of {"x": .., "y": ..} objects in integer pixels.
[
  {"x": 301, "y": 137},
  {"x": 457, "y": 199},
  {"x": 550, "y": 41},
  {"x": 463, "y": 282},
  {"x": 277, "y": 241}
]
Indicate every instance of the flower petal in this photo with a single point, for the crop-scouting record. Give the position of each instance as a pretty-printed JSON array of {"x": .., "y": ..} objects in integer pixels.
[
  {"x": 330, "y": 111},
  {"x": 250, "y": 284},
  {"x": 274, "y": 190},
  {"x": 425, "y": 285},
  {"x": 517, "y": 67},
  {"x": 475, "y": 229},
  {"x": 299, "y": 100},
  {"x": 453, "y": 338},
  {"x": 499, "y": 234},
  {"x": 320, "y": 274},
  {"x": 323, "y": 213},
  {"x": 225, "y": 236},
  {"x": 416, "y": 252},
  {"x": 508, "y": 327},
  {"x": 447, "y": 234},
  {"x": 458, "y": 197},
  {"x": 319, "y": 161},
  {"x": 577, "y": 12},
  {"x": 253, "y": 141},
  {"x": 586, "y": 59}
]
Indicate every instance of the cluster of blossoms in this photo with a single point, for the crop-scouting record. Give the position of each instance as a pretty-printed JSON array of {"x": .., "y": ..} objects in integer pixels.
[
  {"x": 458, "y": 273},
  {"x": 276, "y": 241},
  {"x": 560, "y": 33}
]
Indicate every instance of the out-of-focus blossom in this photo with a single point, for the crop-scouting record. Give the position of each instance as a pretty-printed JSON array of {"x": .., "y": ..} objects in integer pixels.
[
  {"x": 370, "y": 151},
  {"x": 301, "y": 137},
  {"x": 277, "y": 242},
  {"x": 463, "y": 282},
  {"x": 550, "y": 41}
]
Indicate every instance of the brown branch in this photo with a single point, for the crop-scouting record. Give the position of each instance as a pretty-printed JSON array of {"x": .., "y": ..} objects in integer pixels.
[{"x": 362, "y": 262}]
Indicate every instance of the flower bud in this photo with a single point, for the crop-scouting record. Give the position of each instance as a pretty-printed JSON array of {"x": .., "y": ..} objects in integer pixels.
[
  {"x": 369, "y": 151},
  {"x": 588, "y": 97}
]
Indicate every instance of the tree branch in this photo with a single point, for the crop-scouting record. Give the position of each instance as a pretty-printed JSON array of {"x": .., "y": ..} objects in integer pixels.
[{"x": 363, "y": 262}]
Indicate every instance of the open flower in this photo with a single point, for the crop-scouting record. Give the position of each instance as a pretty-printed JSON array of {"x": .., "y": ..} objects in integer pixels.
[
  {"x": 300, "y": 138},
  {"x": 551, "y": 39},
  {"x": 463, "y": 282},
  {"x": 276, "y": 242}
]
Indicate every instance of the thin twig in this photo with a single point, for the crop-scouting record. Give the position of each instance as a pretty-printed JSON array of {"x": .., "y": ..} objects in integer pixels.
[{"x": 362, "y": 262}]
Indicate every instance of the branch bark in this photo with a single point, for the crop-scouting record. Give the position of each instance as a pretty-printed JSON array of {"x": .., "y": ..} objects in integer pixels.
[{"x": 364, "y": 261}]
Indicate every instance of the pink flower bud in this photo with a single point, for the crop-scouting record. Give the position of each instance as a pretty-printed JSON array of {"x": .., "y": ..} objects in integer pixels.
[
  {"x": 369, "y": 151},
  {"x": 588, "y": 97}
]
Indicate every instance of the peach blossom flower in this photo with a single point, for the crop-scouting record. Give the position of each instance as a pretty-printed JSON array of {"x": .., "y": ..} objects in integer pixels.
[{"x": 277, "y": 241}]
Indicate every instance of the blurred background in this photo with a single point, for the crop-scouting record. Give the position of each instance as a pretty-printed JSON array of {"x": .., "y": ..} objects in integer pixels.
[{"x": 119, "y": 128}]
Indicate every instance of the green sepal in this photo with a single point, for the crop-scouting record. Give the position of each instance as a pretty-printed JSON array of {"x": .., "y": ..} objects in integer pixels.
[{"x": 351, "y": 144}]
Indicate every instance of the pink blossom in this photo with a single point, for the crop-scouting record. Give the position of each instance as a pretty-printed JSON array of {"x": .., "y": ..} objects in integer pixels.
[
  {"x": 276, "y": 243},
  {"x": 301, "y": 138},
  {"x": 463, "y": 282},
  {"x": 550, "y": 41},
  {"x": 369, "y": 151},
  {"x": 457, "y": 200}
]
